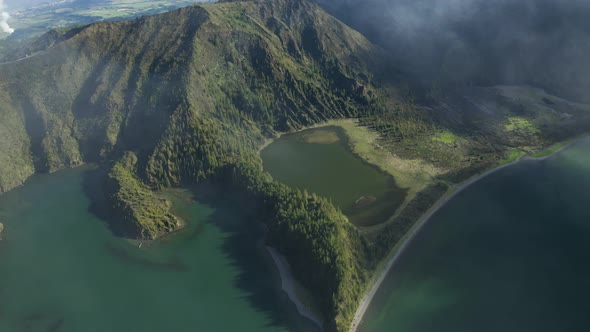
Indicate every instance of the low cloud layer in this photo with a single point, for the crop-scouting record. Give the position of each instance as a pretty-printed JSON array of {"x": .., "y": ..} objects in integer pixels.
[
  {"x": 4, "y": 16},
  {"x": 541, "y": 42}
]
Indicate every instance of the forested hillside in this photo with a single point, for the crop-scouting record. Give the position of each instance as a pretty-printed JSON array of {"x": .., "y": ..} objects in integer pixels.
[{"x": 191, "y": 95}]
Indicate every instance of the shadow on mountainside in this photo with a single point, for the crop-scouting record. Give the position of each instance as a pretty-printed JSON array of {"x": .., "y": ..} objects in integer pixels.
[
  {"x": 244, "y": 246},
  {"x": 93, "y": 185}
]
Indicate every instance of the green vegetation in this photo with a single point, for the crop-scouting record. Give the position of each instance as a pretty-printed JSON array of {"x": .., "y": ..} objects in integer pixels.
[
  {"x": 363, "y": 193},
  {"x": 521, "y": 125},
  {"x": 191, "y": 95},
  {"x": 552, "y": 149},
  {"x": 136, "y": 204},
  {"x": 314, "y": 236},
  {"x": 412, "y": 174},
  {"x": 194, "y": 93},
  {"x": 512, "y": 156},
  {"x": 395, "y": 230},
  {"x": 445, "y": 137},
  {"x": 16, "y": 162}
]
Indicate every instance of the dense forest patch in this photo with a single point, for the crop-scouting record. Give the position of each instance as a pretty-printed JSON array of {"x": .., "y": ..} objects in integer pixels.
[{"x": 190, "y": 96}]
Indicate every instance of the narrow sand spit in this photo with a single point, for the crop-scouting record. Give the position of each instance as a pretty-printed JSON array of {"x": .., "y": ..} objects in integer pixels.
[
  {"x": 288, "y": 285},
  {"x": 401, "y": 246}
]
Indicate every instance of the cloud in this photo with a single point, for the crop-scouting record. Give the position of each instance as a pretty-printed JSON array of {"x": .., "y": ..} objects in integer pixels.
[
  {"x": 541, "y": 42},
  {"x": 4, "y": 16}
]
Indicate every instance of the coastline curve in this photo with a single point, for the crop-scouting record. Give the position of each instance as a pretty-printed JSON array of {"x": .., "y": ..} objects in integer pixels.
[{"x": 399, "y": 248}]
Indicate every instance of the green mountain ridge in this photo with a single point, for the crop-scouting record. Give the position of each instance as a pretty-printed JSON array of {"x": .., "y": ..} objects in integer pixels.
[
  {"x": 191, "y": 95},
  {"x": 100, "y": 90},
  {"x": 194, "y": 93}
]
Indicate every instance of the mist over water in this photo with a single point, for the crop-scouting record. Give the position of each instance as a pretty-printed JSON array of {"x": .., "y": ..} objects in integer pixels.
[
  {"x": 4, "y": 16},
  {"x": 460, "y": 42}
]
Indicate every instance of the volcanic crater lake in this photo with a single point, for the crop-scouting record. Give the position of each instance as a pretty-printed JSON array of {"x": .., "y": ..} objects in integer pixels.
[
  {"x": 319, "y": 160},
  {"x": 510, "y": 253},
  {"x": 62, "y": 270}
]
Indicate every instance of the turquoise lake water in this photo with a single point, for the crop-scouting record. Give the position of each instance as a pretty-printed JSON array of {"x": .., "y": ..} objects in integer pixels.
[
  {"x": 508, "y": 254},
  {"x": 62, "y": 270}
]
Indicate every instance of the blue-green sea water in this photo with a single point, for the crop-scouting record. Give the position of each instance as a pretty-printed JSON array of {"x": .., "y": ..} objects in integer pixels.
[{"x": 511, "y": 253}]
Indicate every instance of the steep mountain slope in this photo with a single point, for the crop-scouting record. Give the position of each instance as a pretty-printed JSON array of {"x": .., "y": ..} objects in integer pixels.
[
  {"x": 116, "y": 86},
  {"x": 194, "y": 93},
  {"x": 81, "y": 96},
  {"x": 191, "y": 95}
]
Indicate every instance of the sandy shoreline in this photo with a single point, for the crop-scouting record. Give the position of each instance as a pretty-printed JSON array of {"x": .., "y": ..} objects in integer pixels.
[
  {"x": 288, "y": 285},
  {"x": 403, "y": 243}
]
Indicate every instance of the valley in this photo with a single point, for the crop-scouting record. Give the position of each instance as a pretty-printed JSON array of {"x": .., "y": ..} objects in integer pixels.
[{"x": 32, "y": 21}]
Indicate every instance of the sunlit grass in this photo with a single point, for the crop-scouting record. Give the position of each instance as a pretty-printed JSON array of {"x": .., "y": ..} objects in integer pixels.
[
  {"x": 512, "y": 155},
  {"x": 446, "y": 137},
  {"x": 521, "y": 125},
  {"x": 413, "y": 175}
]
